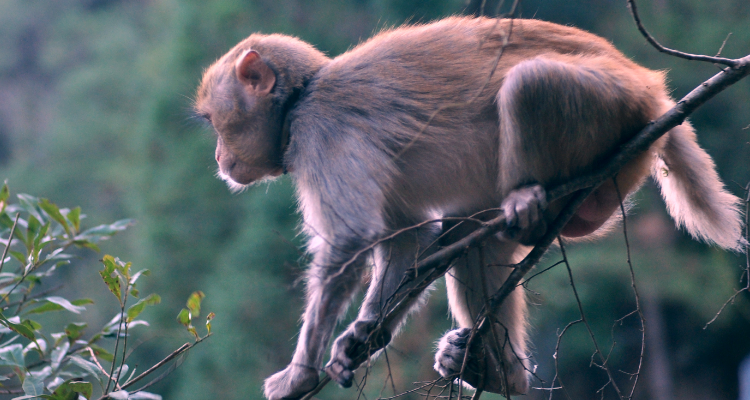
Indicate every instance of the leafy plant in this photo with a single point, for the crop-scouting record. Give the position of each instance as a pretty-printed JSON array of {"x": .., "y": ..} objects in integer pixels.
[{"x": 62, "y": 363}]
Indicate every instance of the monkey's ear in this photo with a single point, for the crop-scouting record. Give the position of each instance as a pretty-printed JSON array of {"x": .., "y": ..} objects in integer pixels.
[{"x": 255, "y": 74}]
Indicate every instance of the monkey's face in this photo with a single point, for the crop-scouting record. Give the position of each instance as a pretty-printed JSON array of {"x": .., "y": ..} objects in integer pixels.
[{"x": 236, "y": 98}]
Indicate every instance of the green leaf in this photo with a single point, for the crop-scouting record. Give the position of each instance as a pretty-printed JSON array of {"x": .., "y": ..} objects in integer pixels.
[
  {"x": 33, "y": 347},
  {"x": 136, "y": 309},
  {"x": 70, "y": 390},
  {"x": 54, "y": 212},
  {"x": 46, "y": 307},
  {"x": 18, "y": 256},
  {"x": 38, "y": 240},
  {"x": 58, "y": 254},
  {"x": 21, "y": 329},
  {"x": 144, "y": 396},
  {"x": 89, "y": 367},
  {"x": 184, "y": 317},
  {"x": 58, "y": 337},
  {"x": 112, "y": 282},
  {"x": 138, "y": 274},
  {"x": 75, "y": 330},
  {"x": 62, "y": 302},
  {"x": 33, "y": 385},
  {"x": 194, "y": 303},
  {"x": 103, "y": 231},
  {"x": 119, "y": 395},
  {"x": 102, "y": 353},
  {"x": 12, "y": 356},
  {"x": 30, "y": 204},
  {"x": 209, "y": 318},
  {"x": 58, "y": 354},
  {"x": 33, "y": 325},
  {"x": 87, "y": 244},
  {"x": 192, "y": 330},
  {"x": 31, "y": 230},
  {"x": 58, "y": 303},
  {"x": 74, "y": 216},
  {"x": 4, "y": 194}
]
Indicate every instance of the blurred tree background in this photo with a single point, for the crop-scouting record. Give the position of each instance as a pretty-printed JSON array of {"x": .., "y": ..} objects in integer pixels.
[{"x": 95, "y": 100}]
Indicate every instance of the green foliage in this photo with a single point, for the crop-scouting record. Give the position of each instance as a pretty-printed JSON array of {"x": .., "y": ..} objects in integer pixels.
[
  {"x": 61, "y": 363},
  {"x": 193, "y": 310}
]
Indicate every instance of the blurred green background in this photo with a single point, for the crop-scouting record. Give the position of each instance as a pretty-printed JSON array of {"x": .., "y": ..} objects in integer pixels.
[{"x": 95, "y": 100}]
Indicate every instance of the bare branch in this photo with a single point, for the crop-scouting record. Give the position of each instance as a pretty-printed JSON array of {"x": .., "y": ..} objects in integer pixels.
[
  {"x": 10, "y": 239},
  {"x": 695, "y": 57},
  {"x": 746, "y": 271},
  {"x": 638, "y": 308}
]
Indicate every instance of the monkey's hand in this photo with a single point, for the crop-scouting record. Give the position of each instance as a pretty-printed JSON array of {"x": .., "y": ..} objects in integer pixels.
[
  {"x": 290, "y": 383},
  {"x": 481, "y": 368},
  {"x": 524, "y": 214},
  {"x": 360, "y": 340}
]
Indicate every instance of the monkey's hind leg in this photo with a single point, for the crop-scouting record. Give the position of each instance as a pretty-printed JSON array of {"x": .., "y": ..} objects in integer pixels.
[{"x": 498, "y": 355}]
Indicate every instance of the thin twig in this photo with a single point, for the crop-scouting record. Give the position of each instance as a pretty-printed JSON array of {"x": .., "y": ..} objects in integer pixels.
[
  {"x": 696, "y": 57},
  {"x": 635, "y": 291},
  {"x": 723, "y": 44},
  {"x": 96, "y": 361},
  {"x": 117, "y": 340},
  {"x": 7, "y": 245},
  {"x": 185, "y": 347},
  {"x": 588, "y": 327},
  {"x": 552, "y": 387},
  {"x": 35, "y": 296},
  {"x": 746, "y": 271}
]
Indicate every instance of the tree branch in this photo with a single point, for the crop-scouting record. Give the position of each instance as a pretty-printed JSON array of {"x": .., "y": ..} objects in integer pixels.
[{"x": 676, "y": 53}]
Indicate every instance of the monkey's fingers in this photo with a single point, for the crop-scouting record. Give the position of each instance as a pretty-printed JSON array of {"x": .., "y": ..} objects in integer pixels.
[{"x": 524, "y": 210}]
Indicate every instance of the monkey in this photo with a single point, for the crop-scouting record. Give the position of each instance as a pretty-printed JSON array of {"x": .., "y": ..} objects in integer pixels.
[{"x": 399, "y": 145}]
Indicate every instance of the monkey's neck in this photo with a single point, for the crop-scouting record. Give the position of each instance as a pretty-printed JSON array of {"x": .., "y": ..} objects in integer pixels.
[{"x": 289, "y": 104}]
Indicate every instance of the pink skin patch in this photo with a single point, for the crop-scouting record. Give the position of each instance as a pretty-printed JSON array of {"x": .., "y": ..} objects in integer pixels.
[{"x": 593, "y": 213}]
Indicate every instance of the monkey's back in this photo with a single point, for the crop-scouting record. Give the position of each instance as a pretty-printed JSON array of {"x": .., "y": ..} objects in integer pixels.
[{"x": 416, "y": 94}]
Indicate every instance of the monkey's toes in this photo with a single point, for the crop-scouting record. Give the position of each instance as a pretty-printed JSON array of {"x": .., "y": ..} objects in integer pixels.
[
  {"x": 362, "y": 339},
  {"x": 450, "y": 353},
  {"x": 340, "y": 373},
  {"x": 290, "y": 383}
]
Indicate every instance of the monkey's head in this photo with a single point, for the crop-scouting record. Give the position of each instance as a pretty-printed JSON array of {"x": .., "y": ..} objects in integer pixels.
[
  {"x": 237, "y": 99},
  {"x": 246, "y": 96}
]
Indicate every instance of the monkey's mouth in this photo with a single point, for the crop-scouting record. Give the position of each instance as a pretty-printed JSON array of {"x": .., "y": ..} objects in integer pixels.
[{"x": 240, "y": 183}]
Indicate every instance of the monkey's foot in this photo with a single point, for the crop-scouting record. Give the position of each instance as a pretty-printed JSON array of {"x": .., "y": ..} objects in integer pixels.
[
  {"x": 524, "y": 214},
  {"x": 290, "y": 383},
  {"x": 481, "y": 368},
  {"x": 353, "y": 347}
]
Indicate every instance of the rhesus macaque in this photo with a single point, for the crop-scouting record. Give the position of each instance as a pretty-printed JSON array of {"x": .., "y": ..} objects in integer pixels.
[{"x": 417, "y": 122}]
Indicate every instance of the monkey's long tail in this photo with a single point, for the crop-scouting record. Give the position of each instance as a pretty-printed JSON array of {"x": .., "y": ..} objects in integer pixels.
[{"x": 695, "y": 196}]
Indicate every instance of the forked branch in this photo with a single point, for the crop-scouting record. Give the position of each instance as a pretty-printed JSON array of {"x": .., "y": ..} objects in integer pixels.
[{"x": 695, "y": 57}]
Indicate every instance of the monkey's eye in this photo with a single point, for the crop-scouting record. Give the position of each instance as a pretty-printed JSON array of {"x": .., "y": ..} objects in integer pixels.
[{"x": 207, "y": 118}]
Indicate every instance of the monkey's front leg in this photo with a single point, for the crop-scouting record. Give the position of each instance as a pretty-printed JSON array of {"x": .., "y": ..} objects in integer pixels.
[
  {"x": 329, "y": 290},
  {"x": 366, "y": 336}
]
